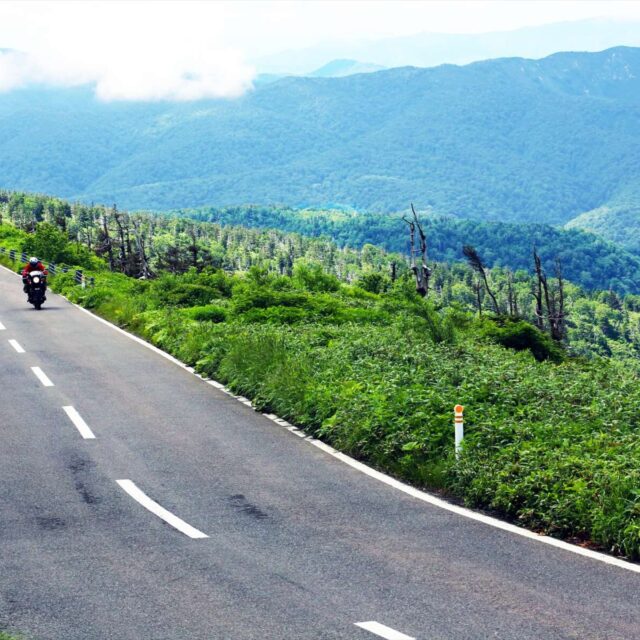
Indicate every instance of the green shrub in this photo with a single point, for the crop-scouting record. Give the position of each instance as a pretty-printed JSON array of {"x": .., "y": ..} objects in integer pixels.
[
  {"x": 520, "y": 335},
  {"x": 184, "y": 294},
  {"x": 207, "y": 313}
]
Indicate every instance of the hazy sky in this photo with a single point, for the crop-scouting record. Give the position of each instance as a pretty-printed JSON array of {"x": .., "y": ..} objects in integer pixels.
[{"x": 184, "y": 50}]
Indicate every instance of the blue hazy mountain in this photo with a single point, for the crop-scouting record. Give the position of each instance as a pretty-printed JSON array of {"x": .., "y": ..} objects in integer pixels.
[{"x": 512, "y": 140}]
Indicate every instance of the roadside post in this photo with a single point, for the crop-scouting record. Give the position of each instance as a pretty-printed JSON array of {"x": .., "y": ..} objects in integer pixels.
[{"x": 458, "y": 423}]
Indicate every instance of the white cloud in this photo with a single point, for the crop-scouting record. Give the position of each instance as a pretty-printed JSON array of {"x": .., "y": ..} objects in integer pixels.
[{"x": 129, "y": 51}]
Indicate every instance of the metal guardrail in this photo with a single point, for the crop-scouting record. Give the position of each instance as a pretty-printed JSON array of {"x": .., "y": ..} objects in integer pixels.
[{"x": 53, "y": 268}]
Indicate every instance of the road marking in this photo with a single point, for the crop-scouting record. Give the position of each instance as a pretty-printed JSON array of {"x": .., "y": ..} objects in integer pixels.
[
  {"x": 382, "y": 631},
  {"x": 161, "y": 512},
  {"x": 16, "y": 345},
  {"x": 42, "y": 376},
  {"x": 2, "y": 327},
  {"x": 392, "y": 482},
  {"x": 79, "y": 423}
]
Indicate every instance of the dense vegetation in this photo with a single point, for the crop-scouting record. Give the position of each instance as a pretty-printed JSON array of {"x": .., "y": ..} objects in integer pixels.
[
  {"x": 510, "y": 140},
  {"x": 371, "y": 367},
  {"x": 600, "y": 323},
  {"x": 587, "y": 259}
]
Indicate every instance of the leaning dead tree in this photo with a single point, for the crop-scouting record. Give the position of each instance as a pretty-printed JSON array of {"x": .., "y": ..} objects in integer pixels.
[
  {"x": 475, "y": 262},
  {"x": 419, "y": 266},
  {"x": 551, "y": 298}
]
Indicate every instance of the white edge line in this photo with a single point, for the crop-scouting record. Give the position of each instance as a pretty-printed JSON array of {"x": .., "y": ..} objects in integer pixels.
[
  {"x": 42, "y": 376},
  {"x": 149, "y": 504},
  {"x": 392, "y": 482},
  {"x": 16, "y": 345},
  {"x": 383, "y": 631},
  {"x": 79, "y": 423}
]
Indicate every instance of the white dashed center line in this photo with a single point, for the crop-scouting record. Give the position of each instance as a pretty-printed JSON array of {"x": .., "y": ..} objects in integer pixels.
[
  {"x": 2, "y": 327},
  {"x": 161, "y": 512},
  {"x": 382, "y": 631},
  {"x": 42, "y": 376},
  {"x": 79, "y": 423},
  {"x": 16, "y": 345}
]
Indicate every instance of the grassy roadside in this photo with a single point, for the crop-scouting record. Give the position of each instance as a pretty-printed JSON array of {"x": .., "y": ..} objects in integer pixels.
[{"x": 550, "y": 445}]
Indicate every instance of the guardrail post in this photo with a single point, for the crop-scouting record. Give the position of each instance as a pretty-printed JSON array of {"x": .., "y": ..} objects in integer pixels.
[
  {"x": 24, "y": 257},
  {"x": 458, "y": 423},
  {"x": 12, "y": 255}
]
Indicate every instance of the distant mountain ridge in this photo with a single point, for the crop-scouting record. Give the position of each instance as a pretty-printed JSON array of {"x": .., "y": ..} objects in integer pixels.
[
  {"x": 512, "y": 140},
  {"x": 342, "y": 68},
  {"x": 332, "y": 69},
  {"x": 432, "y": 49}
]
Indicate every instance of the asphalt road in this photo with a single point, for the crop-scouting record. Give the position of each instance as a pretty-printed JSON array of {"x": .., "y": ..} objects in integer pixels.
[{"x": 299, "y": 545}]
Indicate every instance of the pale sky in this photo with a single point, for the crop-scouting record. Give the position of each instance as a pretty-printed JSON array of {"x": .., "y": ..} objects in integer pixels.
[{"x": 186, "y": 50}]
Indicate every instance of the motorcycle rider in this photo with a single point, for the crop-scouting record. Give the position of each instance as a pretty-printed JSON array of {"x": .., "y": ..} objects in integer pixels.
[{"x": 33, "y": 265}]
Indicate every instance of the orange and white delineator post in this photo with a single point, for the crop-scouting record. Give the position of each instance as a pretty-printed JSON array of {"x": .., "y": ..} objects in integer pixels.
[{"x": 458, "y": 422}]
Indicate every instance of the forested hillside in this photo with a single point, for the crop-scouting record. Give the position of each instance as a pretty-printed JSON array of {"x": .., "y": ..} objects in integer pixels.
[
  {"x": 143, "y": 245},
  {"x": 510, "y": 140},
  {"x": 339, "y": 342},
  {"x": 587, "y": 259}
]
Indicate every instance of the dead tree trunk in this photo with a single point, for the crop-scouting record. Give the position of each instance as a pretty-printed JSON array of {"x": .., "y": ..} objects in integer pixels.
[
  {"x": 107, "y": 240},
  {"x": 145, "y": 271},
  {"x": 553, "y": 300},
  {"x": 512, "y": 296},
  {"x": 537, "y": 290},
  {"x": 557, "y": 314},
  {"x": 418, "y": 257},
  {"x": 123, "y": 247}
]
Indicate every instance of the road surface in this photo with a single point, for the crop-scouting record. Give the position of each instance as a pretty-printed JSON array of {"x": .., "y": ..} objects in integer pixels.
[{"x": 276, "y": 539}]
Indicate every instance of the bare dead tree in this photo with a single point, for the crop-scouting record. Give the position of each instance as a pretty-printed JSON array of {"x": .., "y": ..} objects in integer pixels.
[
  {"x": 552, "y": 299},
  {"x": 418, "y": 257},
  {"x": 557, "y": 315},
  {"x": 512, "y": 296},
  {"x": 107, "y": 243},
  {"x": 475, "y": 262},
  {"x": 537, "y": 290},
  {"x": 145, "y": 271},
  {"x": 123, "y": 248}
]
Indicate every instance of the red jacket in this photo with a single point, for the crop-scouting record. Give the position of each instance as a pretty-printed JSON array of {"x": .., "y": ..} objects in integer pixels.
[{"x": 28, "y": 269}]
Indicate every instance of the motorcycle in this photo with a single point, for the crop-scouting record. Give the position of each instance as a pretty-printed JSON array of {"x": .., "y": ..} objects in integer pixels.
[{"x": 36, "y": 287}]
